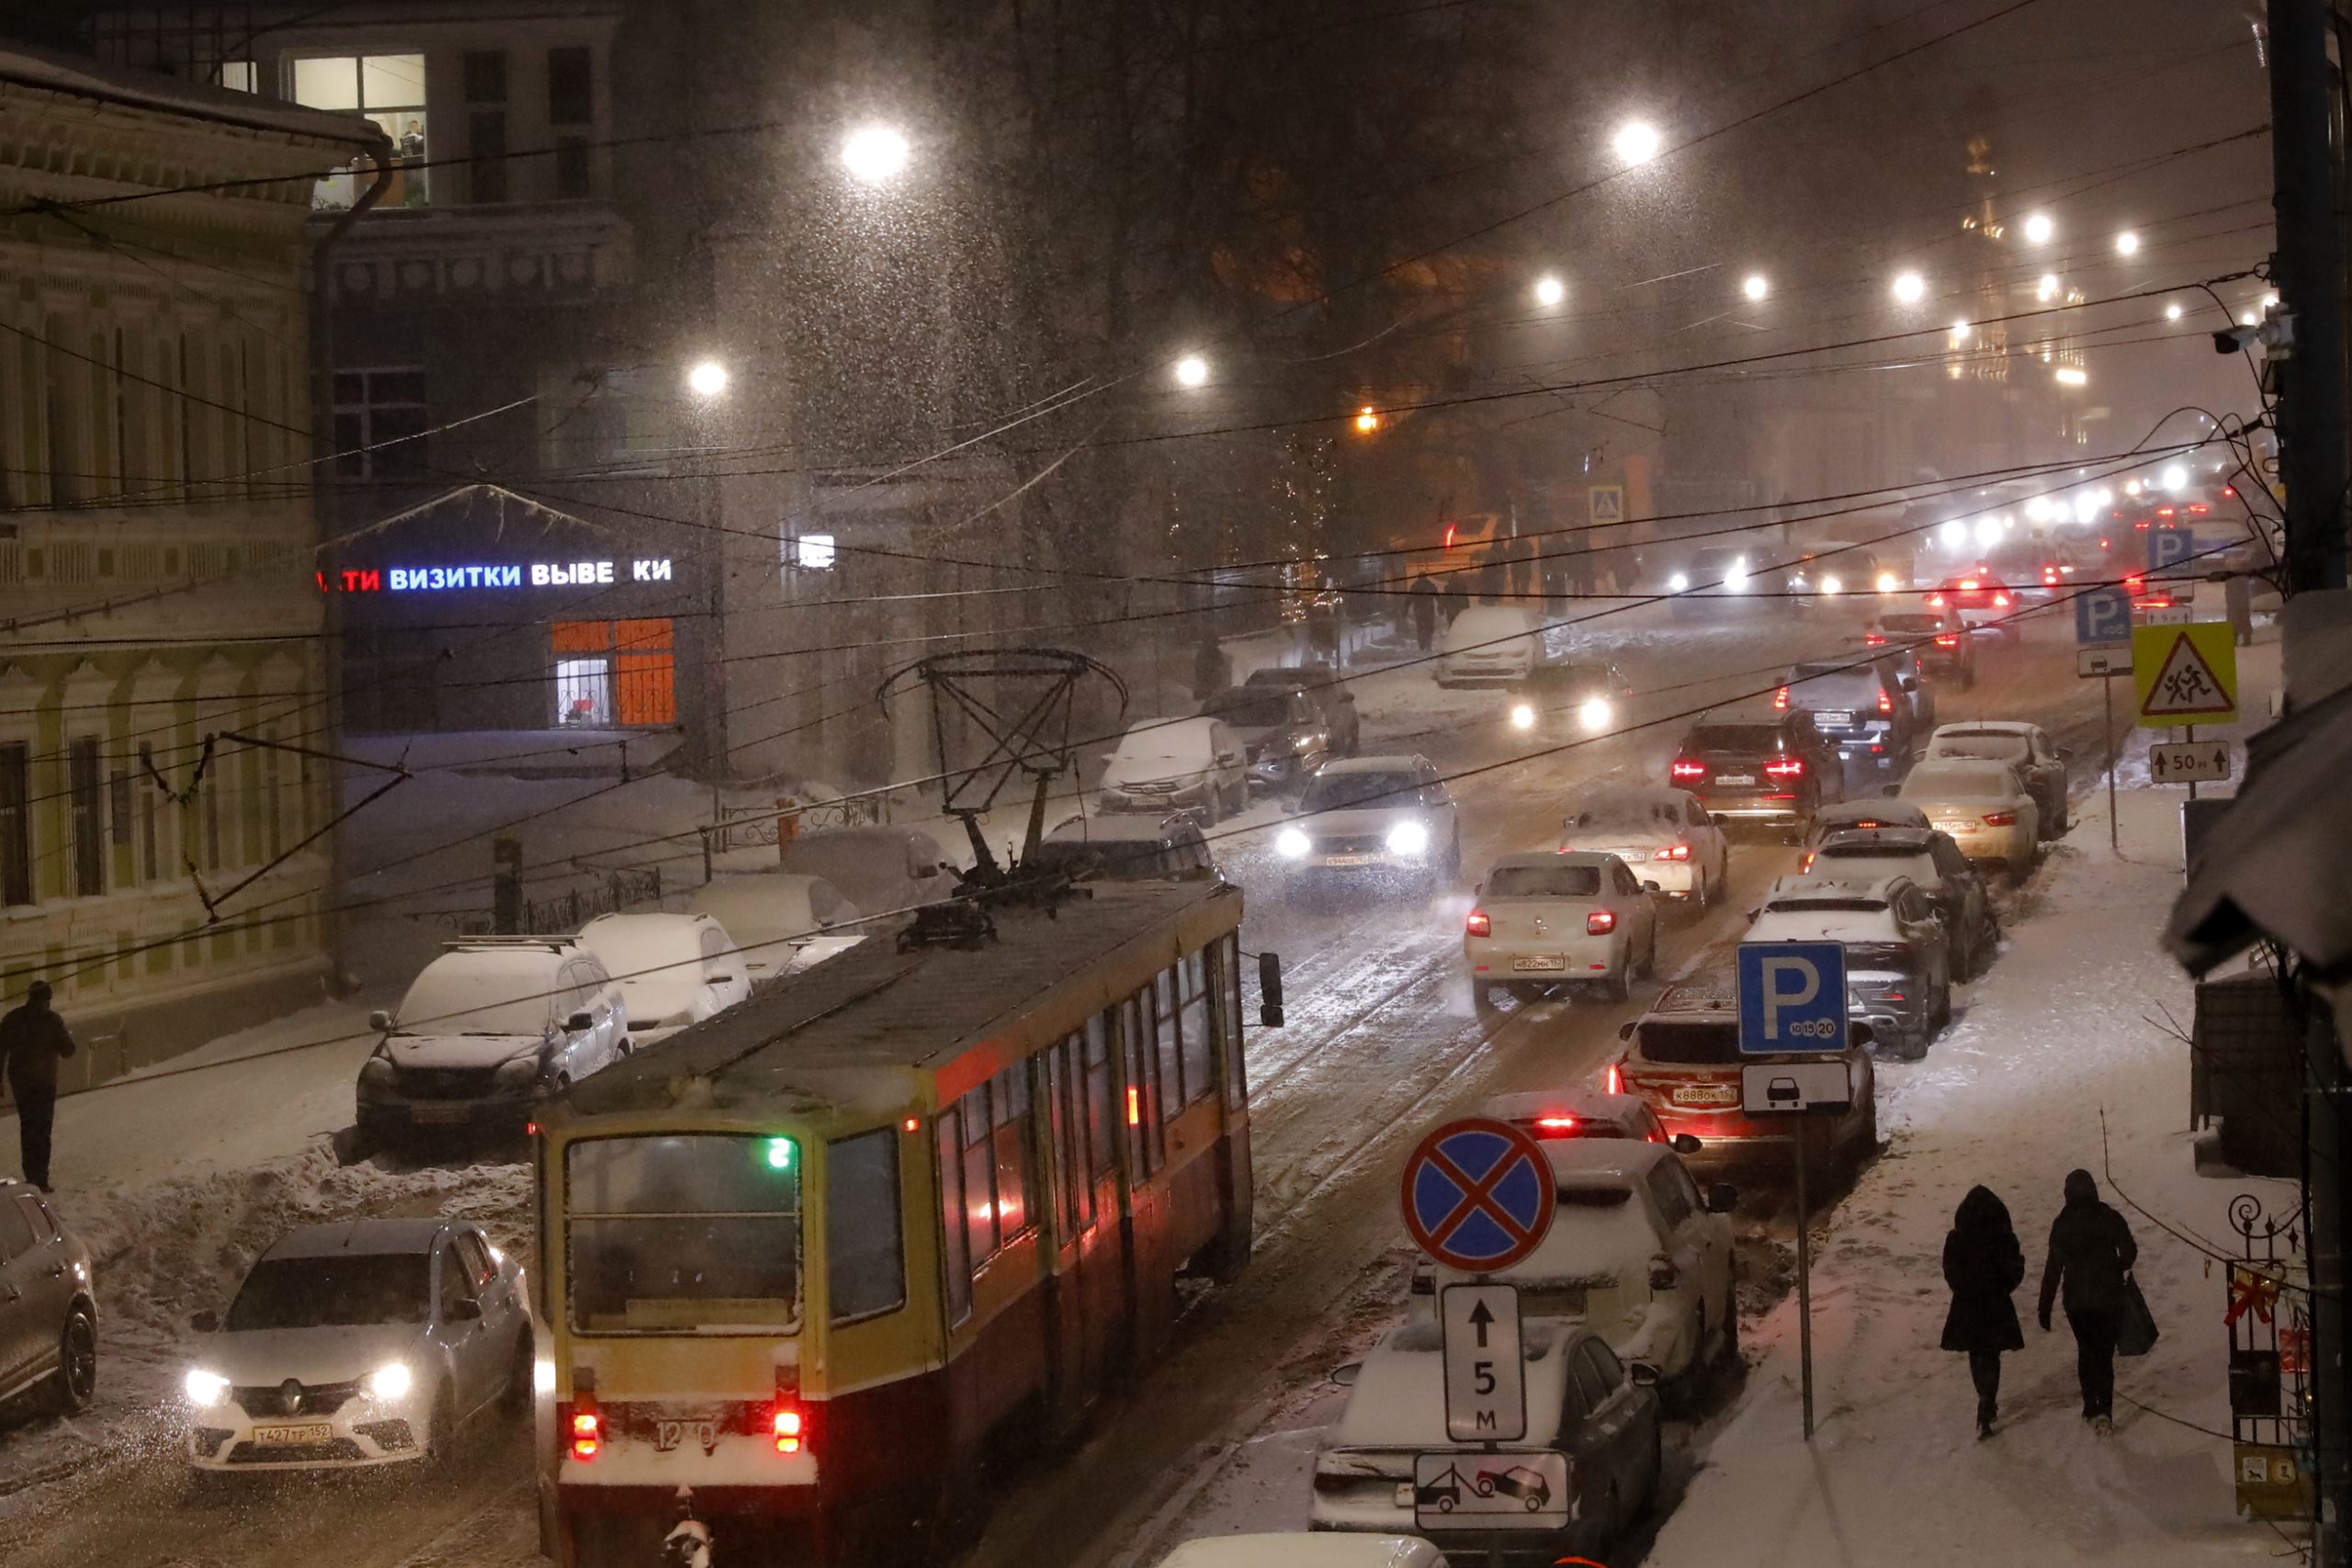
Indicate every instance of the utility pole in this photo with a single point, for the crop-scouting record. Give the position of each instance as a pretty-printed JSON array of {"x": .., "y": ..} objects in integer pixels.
[{"x": 2309, "y": 273}]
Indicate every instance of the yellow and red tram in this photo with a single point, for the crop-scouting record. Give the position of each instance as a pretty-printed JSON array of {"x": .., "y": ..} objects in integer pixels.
[{"x": 818, "y": 1257}]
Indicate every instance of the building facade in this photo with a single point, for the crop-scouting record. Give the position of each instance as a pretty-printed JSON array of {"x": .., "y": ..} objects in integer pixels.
[{"x": 164, "y": 855}]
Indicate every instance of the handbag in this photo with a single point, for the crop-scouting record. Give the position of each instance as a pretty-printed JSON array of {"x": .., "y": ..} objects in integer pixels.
[{"x": 2136, "y": 1334}]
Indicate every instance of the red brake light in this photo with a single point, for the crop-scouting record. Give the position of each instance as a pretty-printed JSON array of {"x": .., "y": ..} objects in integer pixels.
[
  {"x": 2134, "y": 583},
  {"x": 1478, "y": 924},
  {"x": 1781, "y": 698},
  {"x": 1615, "y": 1081},
  {"x": 2197, "y": 508},
  {"x": 1885, "y": 700},
  {"x": 1688, "y": 768},
  {"x": 587, "y": 1434},
  {"x": 2102, "y": 544},
  {"x": 2161, "y": 511},
  {"x": 1873, "y": 639},
  {"x": 1949, "y": 641},
  {"x": 1672, "y": 852},
  {"x": 1601, "y": 922},
  {"x": 2000, "y": 819},
  {"x": 1787, "y": 768},
  {"x": 1935, "y": 600},
  {"x": 1969, "y": 583},
  {"x": 1555, "y": 1124},
  {"x": 2000, "y": 601},
  {"x": 2048, "y": 575},
  {"x": 786, "y": 1427}
]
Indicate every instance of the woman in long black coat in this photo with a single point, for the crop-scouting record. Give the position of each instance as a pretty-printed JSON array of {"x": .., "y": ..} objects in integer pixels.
[{"x": 1983, "y": 1264}]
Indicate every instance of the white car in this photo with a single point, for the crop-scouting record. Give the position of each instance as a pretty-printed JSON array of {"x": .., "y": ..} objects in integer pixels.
[
  {"x": 1311, "y": 1551},
  {"x": 1847, "y": 815},
  {"x": 672, "y": 970},
  {"x": 1984, "y": 805},
  {"x": 488, "y": 1030},
  {"x": 1545, "y": 919},
  {"x": 366, "y": 1342},
  {"x": 1490, "y": 643},
  {"x": 1168, "y": 764},
  {"x": 877, "y": 867},
  {"x": 1665, "y": 835},
  {"x": 1546, "y": 1114},
  {"x": 2041, "y": 765},
  {"x": 1387, "y": 818},
  {"x": 781, "y": 922}
]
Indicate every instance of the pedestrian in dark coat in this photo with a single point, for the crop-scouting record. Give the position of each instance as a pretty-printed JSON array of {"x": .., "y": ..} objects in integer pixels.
[
  {"x": 32, "y": 1041},
  {"x": 1983, "y": 1263},
  {"x": 1423, "y": 600},
  {"x": 2091, "y": 1251}
]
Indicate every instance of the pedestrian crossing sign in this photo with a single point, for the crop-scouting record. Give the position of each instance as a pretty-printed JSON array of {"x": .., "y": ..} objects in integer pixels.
[
  {"x": 2186, "y": 674},
  {"x": 1605, "y": 504}
]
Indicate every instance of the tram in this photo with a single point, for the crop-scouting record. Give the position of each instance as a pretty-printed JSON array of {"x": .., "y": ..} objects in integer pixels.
[{"x": 822, "y": 1255}]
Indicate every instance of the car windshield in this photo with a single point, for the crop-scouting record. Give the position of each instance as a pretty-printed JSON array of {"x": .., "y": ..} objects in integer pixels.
[
  {"x": 1260, "y": 710},
  {"x": 445, "y": 1000},
  {"x": 1911, "y": 625},
  {"x": 1561, "y": 678},
  {"x": 1733, "y": 738},
  {"x": 1545, "y": 882},
  {"x": 1988, "y": 743},
  {"x": 1847, "y": 906},
  {"x": 342, "y": 1292},
  {"x": 1632, "y": 813},
  {"x": 1692, "y": 1043},
  {"x": 1333, "y": 792},
  {"x": 1180, "y": 742},
  {"x": 1958, "y": 780}
]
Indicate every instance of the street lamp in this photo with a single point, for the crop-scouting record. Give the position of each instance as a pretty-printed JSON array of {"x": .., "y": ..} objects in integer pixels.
[
  {"x": 2039, "y": 229},
  {"x": 1756, "y": 285},
  {"x": 1367, "y": 420},
  {"x": 1192, "y": 371},
  {"x": 1636, "y": 141},
  {"x": 1960, "y": 331},
  {"x": 2172, "y": 312},
  {"x": 872, "y": 153},
  {"x": 707, "y": 379},
  {"x": 2127, "y": 243},
  {"x": 2046, "y": 289},
  {"x": 1909, "y": 287},
  {"x": 1550, "y": 291}
]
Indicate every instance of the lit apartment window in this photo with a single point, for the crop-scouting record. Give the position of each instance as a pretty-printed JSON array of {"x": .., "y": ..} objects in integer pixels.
[
  {"x": 388, "y": 89},
  {"x": 372, "y": 407}
]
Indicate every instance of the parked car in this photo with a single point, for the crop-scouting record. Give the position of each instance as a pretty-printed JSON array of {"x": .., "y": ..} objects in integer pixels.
[
  {"x": 364, "y": 1342},
  {"x": 1665, "y": 835},
  {"x": 1387, "y": 817},
  {"x": 488, "y": 1030},
  {"x": 1547, "y": 918},
  {"x": 1490, "y": 643},
  {"x": 781, "y": 922},
  {"x": 1309, "y": 1551},
  {"x": 1981, "y": 601},
  {"x": 672, "y": 970},
  {"x": 2025, "y": 747},
  {"x": 1936, "y": 639},
  {"x": 1557, "y": 700},
  {"x": 1582, "y": 1401},
  {"x": 1580, "y": 1112},
  {"x": 1951, "y": 880},
  {"x": 1898, "y": 953},
  {"x": 1774, "y": 769},
  {"x": 1683, "y": 1055},
  {"x": 1849, "y": 815},
  {"x": 49, "y": 1313},
  {"x": 1859, "y": 707},
  {"x": 1329, "y": 689},
  {"x": 1984, "y": 805},
  {"x": 1164, "y": 764},
  {"x": 1128, "y": 849},
  {"x": 1284, "y": 733},
  {"x": 878, "y": 867}
]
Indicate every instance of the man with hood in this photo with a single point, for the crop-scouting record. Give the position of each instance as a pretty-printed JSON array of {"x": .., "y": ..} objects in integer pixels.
[
  {"x": 2091, "y": 1251},
  {"x": 1983, "y": 1263}
]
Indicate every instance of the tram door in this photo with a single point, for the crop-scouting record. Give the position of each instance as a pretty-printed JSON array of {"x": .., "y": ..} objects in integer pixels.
[{"x": 1090, "y": 1286}]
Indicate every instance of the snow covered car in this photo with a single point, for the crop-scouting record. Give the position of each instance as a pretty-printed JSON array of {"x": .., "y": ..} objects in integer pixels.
[
  {"x": 1547, "y": 918},
  {"x": 1286, "y": 733},
  {"x": 781, "y": 922},
  {"x": 1385, "y": 817},
  {"x": 1984, "y": 805},
  {"x": 1553, "y": 702},
  {"x": 1490, "y": 643},
  {"x": 364, "y": 1342},
  {"x": 1860, "y": 707},
  {"x": 1127, "y": 848},
  {"x": 875, "y": 866},
  {"x": 1580, "y": 1113},
  {"x": 1582, "y": 1401},
  {"x": 1329, "y": 689},
  {"x": 672, "y": 970},
  {"x": 1847, "y": 815},
  {"x": 1166, "y": 764},
  {"x": 1934, "y": 638},
  {"x": 1772, "y": 768},
  {"x": 1898, "y": 953},
  {"x": 1951, "y": 880},
  {"x": 487, "y": 1031},
  {"x": 1288, "y": 1550},
  {"x": 2041, "y": 765},
  {"x": 1664, "y": 835},
  {"x": 1637, "y": 1253},
  {"x": 48, "y": 1315}
]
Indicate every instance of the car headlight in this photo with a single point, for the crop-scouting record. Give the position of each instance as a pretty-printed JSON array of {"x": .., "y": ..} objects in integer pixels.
[
  {"x": 1596, "y": 712},
  {"x": 519, "y": 1073},
  {"x": 390, "y": 1381},
  {"x": 205, "y": 1389},
  {"x": 1292, "y": 844},
  {"x": 1408, "y": 839},
  {"x": 1735, "y": 577},
  {"x": 1678, "y": 582},
  {"x": 1523, "y": 715},
  {"x": 1833, "y": 584}
]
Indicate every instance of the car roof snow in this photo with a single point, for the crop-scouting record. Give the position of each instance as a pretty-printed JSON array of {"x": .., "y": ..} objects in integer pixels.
[
  {"x": 1393, "y": 763},
  {"x": 348, "y": 1239}
]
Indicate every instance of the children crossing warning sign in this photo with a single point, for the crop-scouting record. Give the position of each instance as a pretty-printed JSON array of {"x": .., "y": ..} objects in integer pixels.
[{"x": 2186, "y": 674}]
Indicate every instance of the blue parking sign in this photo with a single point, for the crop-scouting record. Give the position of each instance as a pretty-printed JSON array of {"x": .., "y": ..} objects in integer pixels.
[
  {"x": 2102, "y": 615},
  {"x": 1791, "y": 996},
  {"x": 2170, "y": 547}
]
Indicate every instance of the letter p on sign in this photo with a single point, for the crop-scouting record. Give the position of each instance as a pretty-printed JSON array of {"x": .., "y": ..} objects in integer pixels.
[
  {"x": 1791, "y": 996},
  {"x": 1789, "y": 983}
]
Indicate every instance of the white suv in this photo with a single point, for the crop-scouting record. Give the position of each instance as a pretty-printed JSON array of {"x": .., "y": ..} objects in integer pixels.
[{"x": 487, "y": 1031}]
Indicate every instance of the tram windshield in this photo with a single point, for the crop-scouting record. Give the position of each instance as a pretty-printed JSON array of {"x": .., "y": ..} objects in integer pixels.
[{"x": 682, "y": 1234}]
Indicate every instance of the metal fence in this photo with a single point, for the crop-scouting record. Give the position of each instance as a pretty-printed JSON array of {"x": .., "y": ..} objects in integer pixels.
[
  {"x": 561, "y": 913},
  {"x": 742, "y": 827}
]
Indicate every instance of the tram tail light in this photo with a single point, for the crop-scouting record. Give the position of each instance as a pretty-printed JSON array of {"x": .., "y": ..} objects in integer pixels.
[
  {"x": 586, "y": 1430},
  {"x": 789, "y": 1428}
]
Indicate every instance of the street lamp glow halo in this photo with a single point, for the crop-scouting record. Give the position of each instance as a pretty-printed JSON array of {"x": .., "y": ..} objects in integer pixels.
[
  {"x": 872, "y": 153},
  {"x": 1192, "y": 371},
  {"x": 1636, "y": 141},
  {"x": 708, "y": 379},
  {"x": 1909, "y": 287}
]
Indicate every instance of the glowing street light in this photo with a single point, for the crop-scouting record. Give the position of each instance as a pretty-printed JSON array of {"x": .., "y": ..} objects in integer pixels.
[
  {"x": 1960, "y": 332},
  {"x": 2127, "y": 243},
  {"x": 1367, "y": 420},
  {"x": 2047, "y": 288},
  {"x": 2175, "y": 479},
  {"x": 1636, "y": 141},
  {"x": 1909, "y": 287},
  {"x": 707, "y": 379},
  {"x": 2039, "y": 229},
  {"x": 1756, "y": 285},
  {"x": 1192, "y": 371},
  {"x": 1550, "y": 291},
  {"x": 2172, "y": 312},
  {"x": 872, "y": 153},
  {"x": 2072, "y": 376}
]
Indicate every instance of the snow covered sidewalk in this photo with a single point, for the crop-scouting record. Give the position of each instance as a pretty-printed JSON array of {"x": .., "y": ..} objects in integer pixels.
[{"x": 2013, "y": 1098}]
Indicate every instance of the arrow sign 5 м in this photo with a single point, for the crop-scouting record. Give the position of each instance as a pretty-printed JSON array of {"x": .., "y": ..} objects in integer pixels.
[
  {"x": 1486, "y": 1372},
  {"x": 1478, "y": 1195}
]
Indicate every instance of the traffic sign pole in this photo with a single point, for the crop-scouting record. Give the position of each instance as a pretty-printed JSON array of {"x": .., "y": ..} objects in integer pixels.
[
  {"x": 2107, "y": 703},
  {"x": 1804, "y": 1288}
]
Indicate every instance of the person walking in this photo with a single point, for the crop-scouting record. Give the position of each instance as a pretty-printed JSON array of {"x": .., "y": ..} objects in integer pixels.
[
  {"x": 1983, "y": 1263},
  {"x": 1422, "y": 602},
  {"x": 2091, "y": 1251},
  {"x": 33, "y": 1040}
]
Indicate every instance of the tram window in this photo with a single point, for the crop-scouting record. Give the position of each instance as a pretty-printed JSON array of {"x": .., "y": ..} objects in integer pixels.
[
  {"x": 1102, "y": 1147},
  {"x": 684, "y": 1234},
  {"x": 980, "y": 1178},
  {"x": 1141, "y": 1112},
  {"x": 1192, "y": 992},
  {"x": 1074, "y": 1193},
  {"x": 958, "y": 1253},
  {"x": 1171, "y": 1057},
  {"x": 1009, "y": 1094},
  {"x": 865, "y": 1256}
]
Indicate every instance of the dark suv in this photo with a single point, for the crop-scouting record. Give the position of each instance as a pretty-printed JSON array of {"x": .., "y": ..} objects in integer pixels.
[
  {"x": 1775, "y": 770},
  {"x": 1936, "y": 637},
  {"x": 1862, "y": 708},
  {"x": 1329, "y": 690},
  {"x": 1954, "y": 883}
]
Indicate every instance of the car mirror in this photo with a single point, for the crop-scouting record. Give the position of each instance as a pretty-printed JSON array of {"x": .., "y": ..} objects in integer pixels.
[
  {"x": 1686, "y": 1143},
  {"x": 381, "y": 1021},
  {"x": 1644, "y": 1374},
  {"x": 466, "y": 1310},
  {"x": 1722, "y": 1197},
  {"x": 1478, "y": 890},
  {"x": 205, "y": 1321},
  {"x": 1910, "y": 682},
  {"x": 579, "y": 1024},
  {"x": 1346, "y": 1373},
  {"x": 1859, "y": 1035},
  {"x": 1892, "y": 792},
  {"x": 1649, "y": 888},
  {"x": 1626, "y": 1029},
  {"x": 2065, "y": 754}
]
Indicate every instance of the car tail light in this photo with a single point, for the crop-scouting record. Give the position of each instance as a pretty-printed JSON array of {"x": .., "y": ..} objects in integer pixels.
[
  {"x": 1787, "y": 768},
  {"x": 2000, "y": 601},
  {"x": 587, "y": 1429},
  {"x": 1951, "y": 640},
  {"x": 1897, "y": 997},
  {"x": 2000, "y": 819},
  {"x": 1873, "y": 639},
  {"x": 1885, "y": 700},
  {"x": 1672, "y": 852},
  {"x": 1935, "y": 600},
  {"x": 1555, "y": 1126},
  {"x": 1688, "y": 768},
  {"x": 1781, "y": 698},
  {"x": 2197, "y": 508},
  {"x": 1968, "y": 584},
  {"x": 1664, "y": 1276},
  {"x": 1478, "y": 924},
  {"x": 2230, "y": 491},
  {"x": 2161, "y": 511},
  {"x": 2049, "y": 576},
  {"x": 1601, "y": 922},
  {"x": 1807, "y": 865},
  {"x": 2135, "y": 583},
  {"x": 1614, "y": 1082},
  {"x": 788, "y": 1426}
]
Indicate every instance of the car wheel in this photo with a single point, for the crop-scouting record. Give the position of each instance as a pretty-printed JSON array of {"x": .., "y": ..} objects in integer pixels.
[
  {"x": 441, "y": 1431},
  {"x": 1649, "y": 957},
  {"x": 1210, "y": 814},
  {"x": 69, "y": 1392},
  {"x": 1482, "y": 998},
  {"x": 1729, "y": 1352},
  {"x": 1615, "y": 987},
  {"x": 516, "y": 1404}
]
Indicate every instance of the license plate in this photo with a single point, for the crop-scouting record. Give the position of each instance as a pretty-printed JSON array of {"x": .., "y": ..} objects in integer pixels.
[
  {"x": 1707, "y": 1094},
  {"x": 1834, "y": 716},
  {"x": 1346, "y": 860},
  {"x": 1956, "y": 828},
  {"x": 1735, "y": 778},
  {"x": 293, "y": 1436},
  {"x": 1553, "y": 962},
  {"x": 439, "y": 1113}
]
